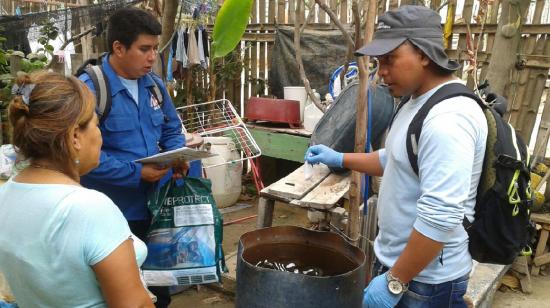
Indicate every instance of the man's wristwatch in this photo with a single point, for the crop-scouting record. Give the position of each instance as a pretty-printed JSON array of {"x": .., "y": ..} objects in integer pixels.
[{"x": 395, "y": 286}]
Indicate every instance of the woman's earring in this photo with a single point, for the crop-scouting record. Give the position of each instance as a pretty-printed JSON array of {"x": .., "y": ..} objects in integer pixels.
[{"x": 77, "y": 161}]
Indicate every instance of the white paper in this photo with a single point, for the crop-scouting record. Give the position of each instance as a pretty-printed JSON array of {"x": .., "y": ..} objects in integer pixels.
[
  {"x": 184, "y": 153},
  {"x": 159, "y": 278},
  {"x": 181, "y": 277},
  {"x": 193, "y": 215}
]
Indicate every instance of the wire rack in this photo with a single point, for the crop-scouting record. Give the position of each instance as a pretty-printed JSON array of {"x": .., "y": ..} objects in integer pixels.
[{"x": 219, "y": 119}]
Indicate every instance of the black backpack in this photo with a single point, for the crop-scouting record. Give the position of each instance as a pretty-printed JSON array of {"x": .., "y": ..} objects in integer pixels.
[
  {"x": 94, "y": 69},
  {"x": 502, "y": 229}
]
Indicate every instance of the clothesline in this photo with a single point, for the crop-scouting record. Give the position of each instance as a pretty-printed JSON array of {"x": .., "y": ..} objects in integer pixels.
[{"x": 195, "y": 11}]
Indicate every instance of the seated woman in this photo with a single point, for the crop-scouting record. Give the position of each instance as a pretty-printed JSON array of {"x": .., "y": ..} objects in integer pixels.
[{"x": 62, "y": 245}]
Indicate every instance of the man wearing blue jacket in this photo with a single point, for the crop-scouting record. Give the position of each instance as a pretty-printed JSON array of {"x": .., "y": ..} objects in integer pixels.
[{"x": 137, "y": 125}]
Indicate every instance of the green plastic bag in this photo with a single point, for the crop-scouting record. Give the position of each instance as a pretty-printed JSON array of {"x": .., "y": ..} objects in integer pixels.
[{"x": 184, "y": 241}]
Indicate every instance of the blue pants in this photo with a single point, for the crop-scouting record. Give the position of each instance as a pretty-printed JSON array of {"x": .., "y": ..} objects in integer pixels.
[{"x": 423, "y": 295}]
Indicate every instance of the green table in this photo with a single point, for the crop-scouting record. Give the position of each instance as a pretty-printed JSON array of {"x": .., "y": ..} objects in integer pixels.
[{"x": 284, "y": 143}]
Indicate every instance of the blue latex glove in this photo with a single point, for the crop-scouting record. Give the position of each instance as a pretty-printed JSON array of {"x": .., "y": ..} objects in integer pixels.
[
  {"x": 322, "y": 154},
  {"x": 377, "y": 295}
]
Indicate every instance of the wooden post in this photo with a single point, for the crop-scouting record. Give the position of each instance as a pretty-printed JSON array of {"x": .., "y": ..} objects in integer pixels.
[
  {"x": 382, "y": 7},
  {"x": 322, "y": 15},
  {"x": 263, "y": 45},
  {"x": 525, "y": 92},
  {"x": 434, "y": 4},
  {"x": 265, "y": 212},
  {"x": 505, "y": 46},
  {"x": 76, "y": 62},
  {"x": 291, "y": 11},
  {"x": 493, "y": 14},
  {"x": 254, "y": 54},
  {"x": 271, "y": 12},
  {"x": 344, "y": 11},
  {"x": 15, "y": 63},
  {"x": 543, "y": 134},
  {"x": 370, "y": 6},
  {"x": 533, "y": 92},
  {"x": 467, "y": 16},
  {"x": 86, "y": 41},
  {"x": 281, "y": 12}
]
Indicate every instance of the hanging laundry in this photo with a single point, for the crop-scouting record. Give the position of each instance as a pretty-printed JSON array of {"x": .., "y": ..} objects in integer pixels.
[
  {"x": 175, "y": 40},
  {"x": 200, "y": 46},
  {"x": 205, "y": 43},
  {"x": 181, "y": 50},
  {"x": 170, "y": 65},
  {"x": 193, "y": 50}
]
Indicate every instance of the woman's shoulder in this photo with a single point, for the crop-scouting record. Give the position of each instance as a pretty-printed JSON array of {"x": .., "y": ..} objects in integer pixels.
[{"x": 90, "y": 200}]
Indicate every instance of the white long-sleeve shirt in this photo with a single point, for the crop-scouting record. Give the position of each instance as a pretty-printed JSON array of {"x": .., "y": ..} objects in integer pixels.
[{"x": 450, "y": 160}]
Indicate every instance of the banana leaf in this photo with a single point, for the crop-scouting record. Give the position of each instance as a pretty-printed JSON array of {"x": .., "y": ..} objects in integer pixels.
[{"x": 229, "y": 26}]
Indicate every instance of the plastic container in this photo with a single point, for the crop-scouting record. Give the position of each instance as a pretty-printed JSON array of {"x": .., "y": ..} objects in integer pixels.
[
  {"x": 274, "y": 110},
  {"x": 297, "y": 94},
  {"x": 312, "y": 115},
  {"x": 309, "y": 101},
  {"x": 226, "y": 179}
]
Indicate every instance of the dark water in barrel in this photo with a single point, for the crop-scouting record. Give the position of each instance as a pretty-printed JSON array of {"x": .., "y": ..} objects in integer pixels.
[{"x": 306, "y": 259}]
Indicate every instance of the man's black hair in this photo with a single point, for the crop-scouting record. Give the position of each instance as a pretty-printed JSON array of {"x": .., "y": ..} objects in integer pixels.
[{"x": 126, "y": 24}]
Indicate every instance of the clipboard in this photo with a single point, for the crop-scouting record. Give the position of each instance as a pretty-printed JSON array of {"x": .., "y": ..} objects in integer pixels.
[{"x": 184, "y": 153}]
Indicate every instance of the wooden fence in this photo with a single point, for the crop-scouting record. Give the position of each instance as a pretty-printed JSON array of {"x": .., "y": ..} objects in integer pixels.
[{"x": 524, "y": 89}]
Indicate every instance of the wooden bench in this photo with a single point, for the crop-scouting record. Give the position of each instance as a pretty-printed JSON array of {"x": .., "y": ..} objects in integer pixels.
[
  {"x": 320, "y": 192},
  {"x": 541, "y": 255}
]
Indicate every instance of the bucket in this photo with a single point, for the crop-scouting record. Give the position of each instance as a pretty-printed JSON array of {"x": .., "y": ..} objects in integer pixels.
[
  {"x": 226, "y": 179},
  {"x": 297, "y": 94},
  {"x": 312, "y": 115},
  {"x": 338, "y": 267}
]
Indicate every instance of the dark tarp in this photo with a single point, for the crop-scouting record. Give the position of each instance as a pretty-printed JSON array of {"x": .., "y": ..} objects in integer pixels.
[
  {"x": 336, "y": 128},
  {"x": 323, "y": 51}
]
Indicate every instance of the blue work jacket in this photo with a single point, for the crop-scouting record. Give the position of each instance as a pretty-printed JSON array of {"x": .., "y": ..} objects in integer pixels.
[{"x": 132, "y": 132}]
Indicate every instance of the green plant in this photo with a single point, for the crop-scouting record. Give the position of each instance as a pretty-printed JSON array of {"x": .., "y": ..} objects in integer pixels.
[
  {"x": 48, "y": 32},
  {"x": 29, "y": 63}
]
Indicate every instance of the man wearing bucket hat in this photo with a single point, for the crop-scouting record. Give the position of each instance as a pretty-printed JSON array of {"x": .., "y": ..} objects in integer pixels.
[{"x": 422, "y": 257}]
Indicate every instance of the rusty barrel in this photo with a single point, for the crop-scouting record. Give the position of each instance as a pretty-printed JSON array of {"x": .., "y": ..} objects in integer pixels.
[{"x": 342, "y": 265}]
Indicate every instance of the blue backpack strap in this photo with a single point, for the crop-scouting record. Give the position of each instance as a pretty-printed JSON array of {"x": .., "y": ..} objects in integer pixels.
[{"x": 415, "y": 128}]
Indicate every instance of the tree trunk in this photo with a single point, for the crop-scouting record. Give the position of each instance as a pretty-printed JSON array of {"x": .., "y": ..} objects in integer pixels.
[
  {"x": 503, "y": 55},
  {"x": 168, "y": 24}
]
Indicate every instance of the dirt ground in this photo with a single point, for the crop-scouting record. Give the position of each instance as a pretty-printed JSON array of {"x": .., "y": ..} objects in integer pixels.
[
  {"x": 513, "y": 298},
  {"x": 206, "y": 297}
]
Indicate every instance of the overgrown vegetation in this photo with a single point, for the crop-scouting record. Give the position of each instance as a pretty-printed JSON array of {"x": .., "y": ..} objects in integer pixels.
[{"x": 28, "y": 63}]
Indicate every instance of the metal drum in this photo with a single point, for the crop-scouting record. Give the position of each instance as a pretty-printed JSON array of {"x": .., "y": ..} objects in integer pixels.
[{"x": 311, "y": 269}]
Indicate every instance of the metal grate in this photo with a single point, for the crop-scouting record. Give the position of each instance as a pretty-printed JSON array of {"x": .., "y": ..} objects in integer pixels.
[{"x": 219, "y": 119}]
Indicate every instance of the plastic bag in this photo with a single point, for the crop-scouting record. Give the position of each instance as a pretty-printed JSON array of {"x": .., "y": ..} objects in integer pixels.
[
  {"x": 7, "y": 161},
  {"x": 184, "y": 240}
]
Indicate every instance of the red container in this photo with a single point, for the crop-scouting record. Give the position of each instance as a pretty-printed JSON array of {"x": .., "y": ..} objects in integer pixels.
[{"x": 274, "y": 110}]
